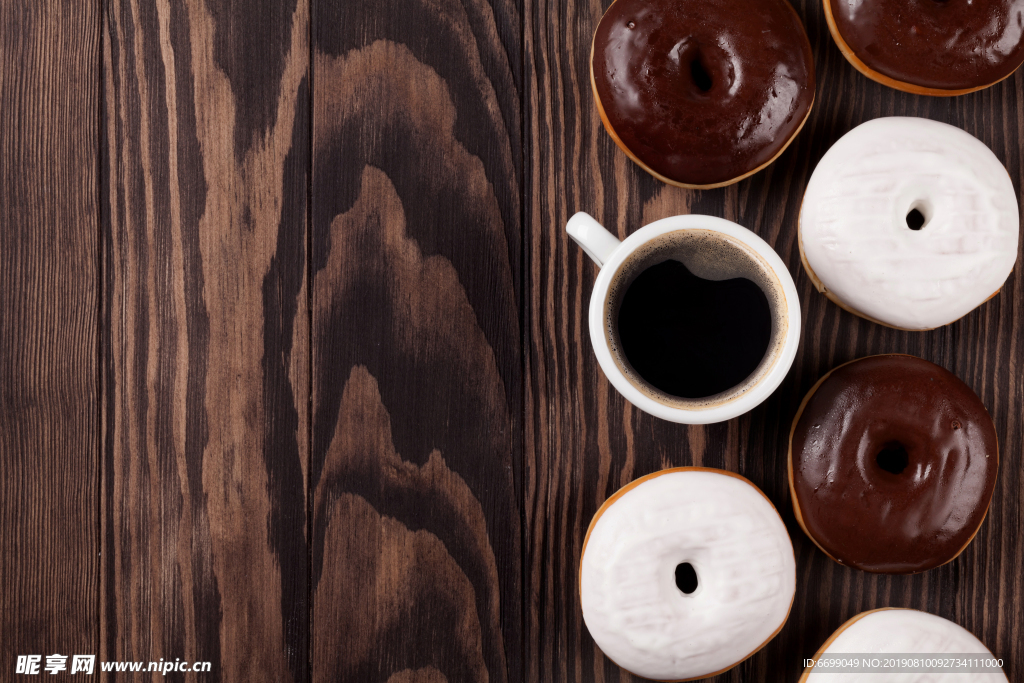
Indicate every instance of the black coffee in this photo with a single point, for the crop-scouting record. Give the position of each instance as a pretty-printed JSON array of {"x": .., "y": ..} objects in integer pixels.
[{"x": 692, "y": 337}]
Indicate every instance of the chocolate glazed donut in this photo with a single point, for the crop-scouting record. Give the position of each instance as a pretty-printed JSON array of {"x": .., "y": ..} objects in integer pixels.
[
  {"x": 892, "y": 464},
  {"x": 702, "y": 93},
  {"x": 930, "y": 47}
]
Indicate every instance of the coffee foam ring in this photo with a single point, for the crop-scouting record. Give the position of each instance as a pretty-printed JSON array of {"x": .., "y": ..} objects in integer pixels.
[{"x": 708, "y": 268}]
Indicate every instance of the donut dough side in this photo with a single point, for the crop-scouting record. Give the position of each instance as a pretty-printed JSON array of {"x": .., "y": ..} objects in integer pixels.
[
  {"x": 902, "y": 631},
  {"x": 646, "y": 523},
  {"x": 797, "y": 512},
  {"x": 621, "y": 145},
  {"x": 855, "y": 61},
  {"x": 857, "y": 248}
]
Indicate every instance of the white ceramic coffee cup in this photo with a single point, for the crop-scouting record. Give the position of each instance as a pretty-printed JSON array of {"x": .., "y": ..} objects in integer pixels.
[{"x": 611, "y": 254}]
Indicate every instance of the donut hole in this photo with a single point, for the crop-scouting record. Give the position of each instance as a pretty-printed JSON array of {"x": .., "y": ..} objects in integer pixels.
[
  {"x": 701, "y": 77},
  {"x": 686, "y": 578},
  {"x": 893, "y": 457},
  {"x": 918, "y": 215},
  {"x": 915, "y": 219}
]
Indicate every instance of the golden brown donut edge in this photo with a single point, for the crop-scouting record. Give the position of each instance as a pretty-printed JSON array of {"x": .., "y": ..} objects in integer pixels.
[{"x": 630, "y": 486}]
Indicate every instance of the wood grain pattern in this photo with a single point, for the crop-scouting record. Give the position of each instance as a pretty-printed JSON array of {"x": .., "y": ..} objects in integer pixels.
[
  {"x": 384, "y": 473},
  {"x": 416, "y": 374},
  {"x": 49, "y": 404},
  {"x": 583, "y": 441},
  {"x": 205, "y": 319}
]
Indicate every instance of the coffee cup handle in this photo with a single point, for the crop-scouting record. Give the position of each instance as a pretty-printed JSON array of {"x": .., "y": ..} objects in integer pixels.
[{"x": 597, "y": 242}]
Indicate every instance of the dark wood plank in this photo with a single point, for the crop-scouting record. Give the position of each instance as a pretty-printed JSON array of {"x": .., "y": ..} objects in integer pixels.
[
  {"x": 49, "y": 302},
  {"x": 416, "y": 376},
  {"x": 583, "y": 441},
  {"x": 205, "y": 368}
]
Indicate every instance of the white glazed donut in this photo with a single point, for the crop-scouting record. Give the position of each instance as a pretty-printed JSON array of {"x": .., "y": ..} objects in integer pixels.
[
  {"x": 902, "y": 631},
  {"x": 857, "y": 246},
  {"x": 736, "y": 543}
]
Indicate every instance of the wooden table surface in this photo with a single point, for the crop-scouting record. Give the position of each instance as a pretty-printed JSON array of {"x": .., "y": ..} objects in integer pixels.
[{"x": 294, "y": 369}]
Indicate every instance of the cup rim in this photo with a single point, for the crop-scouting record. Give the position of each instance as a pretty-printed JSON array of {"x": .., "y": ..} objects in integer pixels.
[{"x": 714, "y": 413}]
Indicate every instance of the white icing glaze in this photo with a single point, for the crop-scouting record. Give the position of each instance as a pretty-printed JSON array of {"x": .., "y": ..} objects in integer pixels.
[
  {"x": 737, "y": 544},
  {"x": 906, "y": 631},
  {"x": 854, "y": 233}
]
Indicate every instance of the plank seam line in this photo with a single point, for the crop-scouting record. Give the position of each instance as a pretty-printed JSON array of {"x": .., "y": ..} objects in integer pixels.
[
  {"x": 525, "y": 239},
  {"x": 100, "y": 134},
  {"x": 309, "y": 348}
]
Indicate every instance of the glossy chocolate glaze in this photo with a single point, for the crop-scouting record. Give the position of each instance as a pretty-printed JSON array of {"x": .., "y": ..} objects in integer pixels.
[
  {"x": 757, "y": 57},
  {"x": 940, "y": 44},
  {"x": 870, "y": 518}
]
